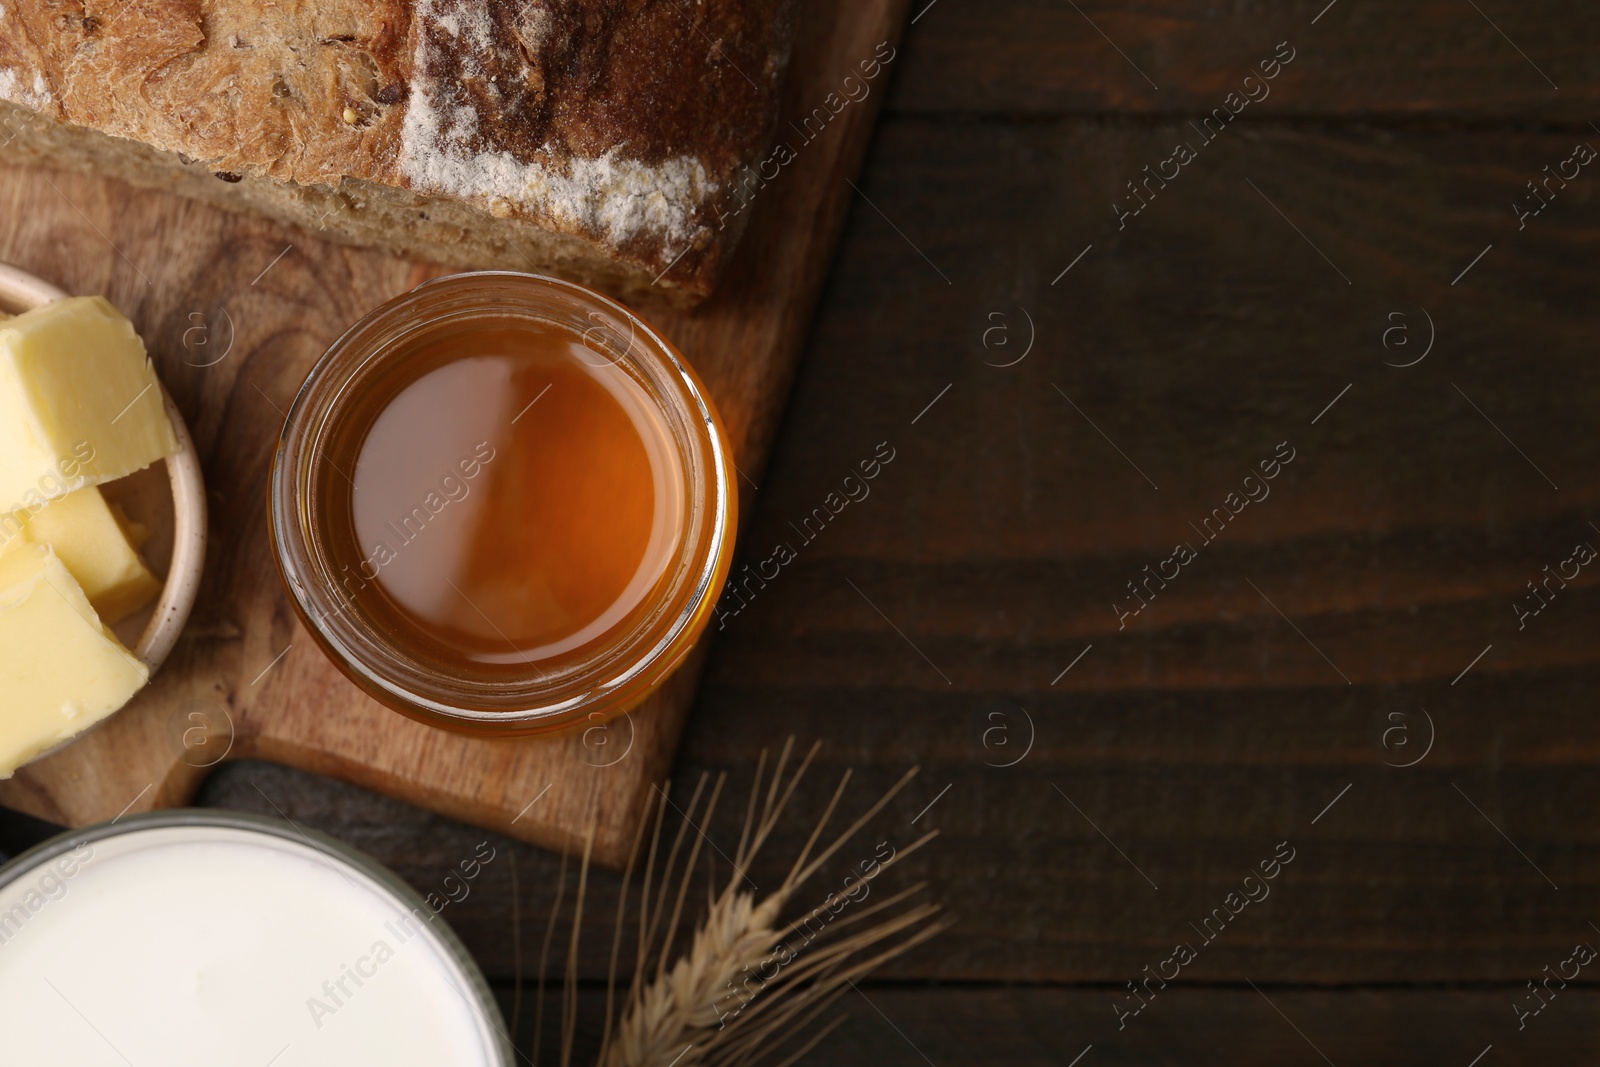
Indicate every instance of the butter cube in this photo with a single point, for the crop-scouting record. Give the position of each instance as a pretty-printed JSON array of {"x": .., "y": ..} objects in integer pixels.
[
  {"x": 99, "y": 547},
  {"x": 62, "y": 670},
  {"x": 79, "y": 402}
]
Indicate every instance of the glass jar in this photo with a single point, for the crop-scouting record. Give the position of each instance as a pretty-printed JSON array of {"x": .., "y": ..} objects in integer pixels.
[{"x": 612, "y": 670}]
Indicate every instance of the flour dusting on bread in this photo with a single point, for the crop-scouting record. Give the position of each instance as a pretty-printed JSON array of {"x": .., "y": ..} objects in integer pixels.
[
  {"x": 445, "y": 148},
  {"x": 35, "y": 97}
]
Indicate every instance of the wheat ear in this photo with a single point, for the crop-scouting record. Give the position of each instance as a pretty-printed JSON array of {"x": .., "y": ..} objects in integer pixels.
[{"x": 673, "y": 1018}]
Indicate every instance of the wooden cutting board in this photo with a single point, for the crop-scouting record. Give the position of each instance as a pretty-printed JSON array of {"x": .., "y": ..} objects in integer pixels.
[{"x": 235, "y": 310}]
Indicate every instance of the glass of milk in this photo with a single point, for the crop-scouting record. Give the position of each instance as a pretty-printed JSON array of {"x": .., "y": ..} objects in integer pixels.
[{"x": 213, "y": 938}]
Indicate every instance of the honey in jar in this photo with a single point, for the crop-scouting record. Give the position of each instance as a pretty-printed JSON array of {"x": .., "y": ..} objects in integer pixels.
[{"x": 502, "y": 503}]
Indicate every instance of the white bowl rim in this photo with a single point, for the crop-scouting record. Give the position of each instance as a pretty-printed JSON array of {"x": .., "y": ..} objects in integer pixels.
[{"x": 20, "y": 291}]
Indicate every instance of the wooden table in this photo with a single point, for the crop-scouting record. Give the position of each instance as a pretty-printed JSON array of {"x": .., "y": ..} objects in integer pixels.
[{"x": 1282, "y": 286}]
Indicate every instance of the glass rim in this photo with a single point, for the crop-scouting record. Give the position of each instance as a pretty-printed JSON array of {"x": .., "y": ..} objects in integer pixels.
[{"x": 625, "y": 666}]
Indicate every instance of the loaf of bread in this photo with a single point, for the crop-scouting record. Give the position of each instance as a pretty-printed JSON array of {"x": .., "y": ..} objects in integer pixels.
[{"x": 601, "y": 140}]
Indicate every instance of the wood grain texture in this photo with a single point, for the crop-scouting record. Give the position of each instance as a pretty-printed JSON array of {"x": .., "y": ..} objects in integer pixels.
[
  {"x": 912, "y": 1026},
  {"x": 191, "y": 276},
  {"x": 1434, "y": 59},
  {"x": 1211, "y": 727}
]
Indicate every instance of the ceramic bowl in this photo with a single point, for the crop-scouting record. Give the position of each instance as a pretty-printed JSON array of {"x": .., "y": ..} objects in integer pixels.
[{"x": 169, "y": 502}]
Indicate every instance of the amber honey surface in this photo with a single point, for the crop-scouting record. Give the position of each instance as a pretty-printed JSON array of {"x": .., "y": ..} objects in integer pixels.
[{"x": 499, "y": 497}]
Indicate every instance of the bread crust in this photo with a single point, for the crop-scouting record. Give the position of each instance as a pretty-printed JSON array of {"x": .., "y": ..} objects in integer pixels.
[{"x": 606, "y": 134}]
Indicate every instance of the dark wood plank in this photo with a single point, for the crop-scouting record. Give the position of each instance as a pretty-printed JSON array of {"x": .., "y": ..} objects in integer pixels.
[
  {"x": 1398, "y": 541},
  {"x": 899, "y": 1026},
  {"x": 1437, "y": 58},
  {"x": 1026, "y": 1027}
]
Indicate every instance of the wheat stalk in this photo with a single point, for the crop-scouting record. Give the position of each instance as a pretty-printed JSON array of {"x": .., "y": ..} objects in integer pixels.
[
  {"x": 682, "y": 1017},
  {"x": 690, "y": 1013}
]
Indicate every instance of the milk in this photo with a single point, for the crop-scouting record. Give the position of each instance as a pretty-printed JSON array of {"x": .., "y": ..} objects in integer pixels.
[{"x": 173, "y": 946}]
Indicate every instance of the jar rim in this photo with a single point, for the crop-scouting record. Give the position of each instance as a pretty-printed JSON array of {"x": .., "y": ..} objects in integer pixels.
[{"x": 623, "y": 665}]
